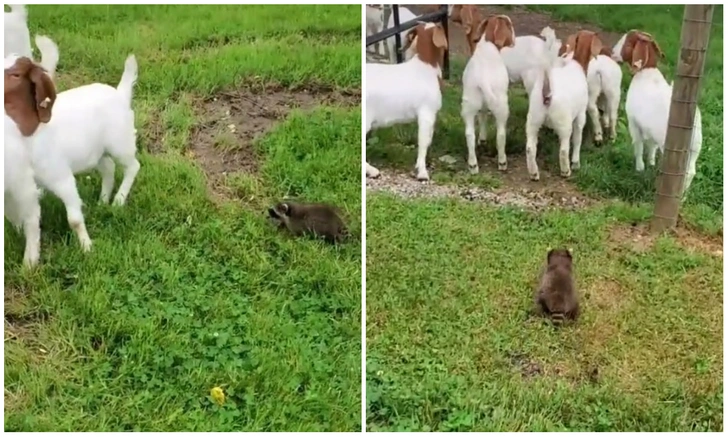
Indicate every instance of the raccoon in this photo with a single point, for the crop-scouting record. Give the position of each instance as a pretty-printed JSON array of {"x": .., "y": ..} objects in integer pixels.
[
  {"x": 556, "y": 295},
  {"x": 317, "y": 219}
]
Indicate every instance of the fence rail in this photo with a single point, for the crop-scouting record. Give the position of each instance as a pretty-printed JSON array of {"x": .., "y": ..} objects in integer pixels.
[{"x": 431, "y": 17}]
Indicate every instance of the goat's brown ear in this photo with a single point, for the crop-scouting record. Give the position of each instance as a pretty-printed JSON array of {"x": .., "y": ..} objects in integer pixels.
[
  {"x": 657, "y": 48},
  {"x": 438, "y": 37},
  {"x": 45, "y": 93},
  {"x": 511, "y": 36},
  {"x": 480, "y": 30},
  {"x": 570, "y": 43},
  {"x": 596, "y": 45},
  {"x": 500, "y": 34}
]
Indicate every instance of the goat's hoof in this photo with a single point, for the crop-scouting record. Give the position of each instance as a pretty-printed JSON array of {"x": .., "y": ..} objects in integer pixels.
[
  {"x": 473, "y": 168},
  {"x": 575, "y": 165},
  {"x": 373, "y": 175},
  {"x": 86, "y": 246},
  {"x": 423, "y": 177},
  {"x": 503, "y": 166},
  {"x": 566, "y": 173},
  {"x": 119, "y": 201},
  {"x": 30, "y": 263},
  {"x": 535, "y": 177},
  {"x": 639, "y": 167}
]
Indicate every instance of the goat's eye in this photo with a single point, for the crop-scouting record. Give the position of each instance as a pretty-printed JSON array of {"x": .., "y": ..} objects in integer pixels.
[{"x": 15, "y": 75}]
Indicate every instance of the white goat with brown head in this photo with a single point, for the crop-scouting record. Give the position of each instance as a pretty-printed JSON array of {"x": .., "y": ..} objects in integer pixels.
[
  {"x": 485, "y": 86},
  {"x": 558, "y": 98},
  {"x": 410, "y": 91},
  {"x": 29, "y": 98},
  {"x": 648, "y": 104}
]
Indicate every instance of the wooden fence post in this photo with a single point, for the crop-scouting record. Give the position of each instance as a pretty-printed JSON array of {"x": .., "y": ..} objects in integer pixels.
[{"x": 696, "y": 24}]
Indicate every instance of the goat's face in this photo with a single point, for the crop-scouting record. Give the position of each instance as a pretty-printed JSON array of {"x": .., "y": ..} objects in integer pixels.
[
  {"x": 29, "y": 93},
  {"x": 582, "y": 47},
  {"x": 429, "y": 41},
  {"x": 640, "y": 51},
  {"x": 498, "y": 29}
]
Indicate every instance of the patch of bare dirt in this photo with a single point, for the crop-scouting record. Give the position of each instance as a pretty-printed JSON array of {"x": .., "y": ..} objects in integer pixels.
[
  {"x": 222, "y": 141},
  {"x": 605, "y": 294},
  {"x": 516, "y": 189},
  {"x": 639, "y": 238}
]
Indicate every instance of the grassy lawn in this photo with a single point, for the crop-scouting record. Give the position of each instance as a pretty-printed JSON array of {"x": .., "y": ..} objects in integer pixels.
[
  {"x": 187, "y": 286},
  {"x": 449, "y": 344}
]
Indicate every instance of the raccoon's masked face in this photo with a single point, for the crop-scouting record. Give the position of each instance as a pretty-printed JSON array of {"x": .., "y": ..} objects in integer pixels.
[{"x": 279, "y": 214}]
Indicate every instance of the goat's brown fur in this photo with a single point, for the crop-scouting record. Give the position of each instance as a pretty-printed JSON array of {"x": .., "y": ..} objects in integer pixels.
[
  {"x": 469, "y": 16},
  {"x": 498, "y": 29},
  {"x": 317, "y": 219},
  {"x": 640, "y": 50},
  {"x": 29, "y": 95},
  {"x": 556, "y": 295},
  {"x": 585, "y": 45}
]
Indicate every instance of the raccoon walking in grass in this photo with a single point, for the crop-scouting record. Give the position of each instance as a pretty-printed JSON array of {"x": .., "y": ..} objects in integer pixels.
[
  {"x": 317, "y": 219},
  {"x": 556, "y": 295}
]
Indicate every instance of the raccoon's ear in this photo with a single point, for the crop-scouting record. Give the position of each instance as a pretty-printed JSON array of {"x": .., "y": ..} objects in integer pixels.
[
  {"x": 571, "y": 252},
  {"x": 272, "y": 212},
  {"x": 286, "y": 208}
]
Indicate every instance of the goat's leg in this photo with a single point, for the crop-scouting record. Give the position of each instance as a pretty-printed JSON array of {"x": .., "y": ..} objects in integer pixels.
[
  {"x": 690, "y": 173},
  {"x": 425, "y": 130},
  {"x": 25, "y": 211},
  {"x": 651, "y": 153},
  {"x": 595, "y": 119},
  {"x": 106, "y": 168},
  {"x": 612, "y": 110},
  {"x": 532, "y": 128},
  {"x": 131, "y": 168},
  {"x": 67, "y": 191},
  {"x": 564, "y": 129},
  {"x": 638, "y": 145},
  {"x": 372, "y": 172},
  {"x": 576, "y": 138},
  {"x": 482, "y": 126},
  {"x": 469, "y": 120},
  {"x": 500, "y": 111}
]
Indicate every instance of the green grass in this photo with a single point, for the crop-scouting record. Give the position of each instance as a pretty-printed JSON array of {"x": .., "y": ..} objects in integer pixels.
[
  {"x": 449, "y": 345},
  {"x": 181, "y": 292}
]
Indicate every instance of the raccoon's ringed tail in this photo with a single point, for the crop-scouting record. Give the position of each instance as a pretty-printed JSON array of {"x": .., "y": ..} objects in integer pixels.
[{"x": 557, "y": 318}]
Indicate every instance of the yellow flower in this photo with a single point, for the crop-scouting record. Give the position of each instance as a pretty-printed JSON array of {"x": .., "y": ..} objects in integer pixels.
[{"x": 217, "y": 395}]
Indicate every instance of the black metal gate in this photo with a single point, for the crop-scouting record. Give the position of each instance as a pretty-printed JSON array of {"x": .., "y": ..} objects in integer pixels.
[{"x": 432, "y": 17}]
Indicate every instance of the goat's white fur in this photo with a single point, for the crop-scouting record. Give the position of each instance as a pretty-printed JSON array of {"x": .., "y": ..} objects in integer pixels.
[
  {"x": 648, "y": 110},
  {"x": 17, "y": 35},
  {"x": 22, "y": 205},
  {"x": 604, "y": 79},
  {"x": 404, "y": 16},
  {"x": 375, "y": 24},
  {"x": 530, "y": 52},
  {"x": 566, "y": 114},
  {"x": 402, "y": 93},
  {"x": 92, "y": 126},
  {"x": 485, "y": 87}
]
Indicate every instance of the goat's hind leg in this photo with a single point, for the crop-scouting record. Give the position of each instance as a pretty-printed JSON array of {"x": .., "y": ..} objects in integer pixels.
[
  {"x": 106, "y": 167},
  {"x": 67, "y": 191},
  {"x": 469, "y": 111},
  {"x": 126, "y": 156},
  {"x": 576, "y": 139}
]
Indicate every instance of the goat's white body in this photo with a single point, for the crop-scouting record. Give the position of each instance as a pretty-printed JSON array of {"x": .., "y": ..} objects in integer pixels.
[
  {"x": 485, "y": 87},
  {"x": 648, "y": 110},
  {"x": 404, "y": 16},
  {"x": 375, "y": 24},
  {"x": 403, "y": 93},
  {"x": 17, "y": 35},
  {"x": 92, "y": 126},
  {"x": 566, "y": 114},
  {"x": 528, "y": 52},
  {"x": 22, "y": 207},
  {"x": 604, "y": 79}
]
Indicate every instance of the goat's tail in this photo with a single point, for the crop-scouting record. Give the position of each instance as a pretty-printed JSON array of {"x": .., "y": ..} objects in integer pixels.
[
  {"x": 129, "y": 78},
  {"x": 48, "y": 54},
  {"x": 20, "y": 10},
  {"x": 546, "y": 88}
]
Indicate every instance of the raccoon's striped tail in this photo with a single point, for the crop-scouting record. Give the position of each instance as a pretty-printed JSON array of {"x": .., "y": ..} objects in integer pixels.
[{"x": 557, "y": 318}]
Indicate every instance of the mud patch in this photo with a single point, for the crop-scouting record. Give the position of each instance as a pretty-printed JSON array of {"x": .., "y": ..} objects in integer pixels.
[
  {"x": 230, "y": 123},
  {"x": 515, "y": 188},
  {"x": 639, "y": 238}
]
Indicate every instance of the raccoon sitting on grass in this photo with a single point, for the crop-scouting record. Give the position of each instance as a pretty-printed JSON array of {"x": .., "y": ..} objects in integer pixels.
[
  {"x": 315, "y": 219},
  {"x": 556, "y": 294}
]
